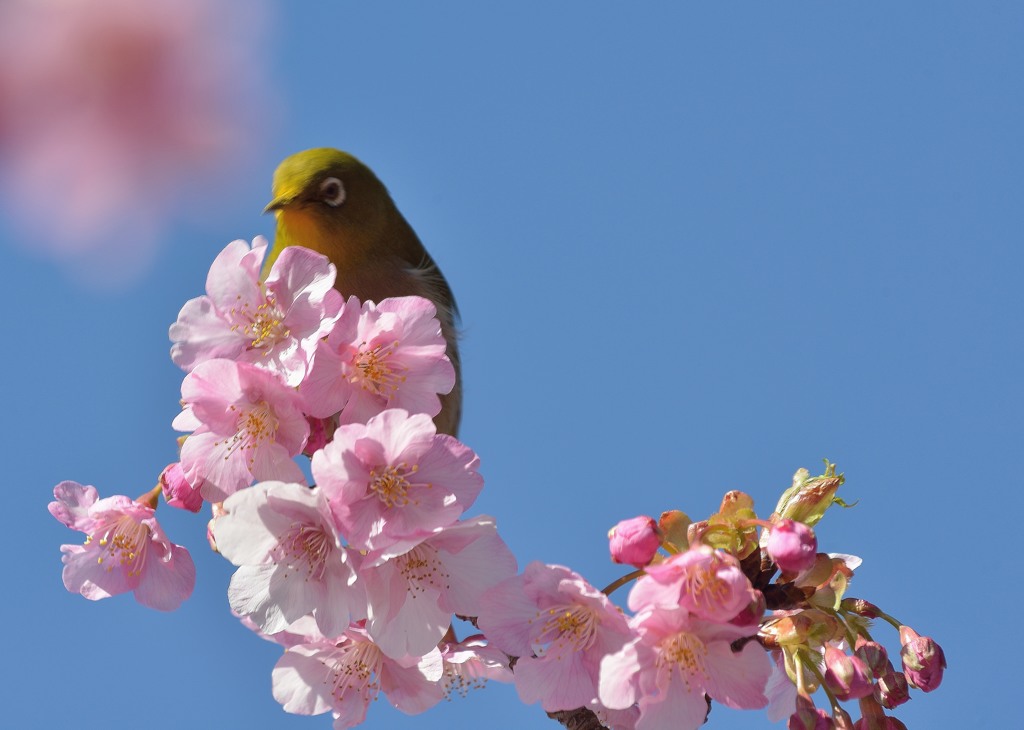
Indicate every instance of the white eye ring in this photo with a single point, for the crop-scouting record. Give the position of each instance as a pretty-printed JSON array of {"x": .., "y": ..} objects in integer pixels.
[{"x": 332, "y": 192}]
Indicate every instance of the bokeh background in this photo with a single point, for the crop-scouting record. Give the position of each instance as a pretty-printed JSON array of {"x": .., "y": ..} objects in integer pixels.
[{"x": 696, "y": 246}]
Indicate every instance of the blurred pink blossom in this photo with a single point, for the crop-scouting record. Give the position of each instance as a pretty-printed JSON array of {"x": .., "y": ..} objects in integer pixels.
[{"x": 110, "y": 110}]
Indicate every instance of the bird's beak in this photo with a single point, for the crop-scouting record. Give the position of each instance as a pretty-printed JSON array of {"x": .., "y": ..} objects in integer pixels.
[{"x": 281, "y": 201}]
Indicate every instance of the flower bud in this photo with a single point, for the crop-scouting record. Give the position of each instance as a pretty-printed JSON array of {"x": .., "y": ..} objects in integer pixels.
[
  {"x": 634, "y": 541},
  {"x": 847, "y": 676},
  {"x": 793, "y": 546},
  {"x": 809, "y": 717},
  {"x": 873, "y": 717},
  {"x": 861, "y": 607},
  {"x": 873, "y": 655},
  {"x": 177, "y": 491},
  {"x": 923, "y": 660},
  {"x": 807, "y": 500},
  {"x": 891, "y": 689}
]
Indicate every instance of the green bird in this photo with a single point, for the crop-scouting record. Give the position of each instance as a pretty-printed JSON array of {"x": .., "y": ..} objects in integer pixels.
[{"x": 329, "y": 201}]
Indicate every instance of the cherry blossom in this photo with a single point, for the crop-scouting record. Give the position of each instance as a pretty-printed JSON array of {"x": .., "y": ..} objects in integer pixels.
[
  {"x": 274, "y": 324},
  {"x": 247, "y": 426},
  {"x": 125, "y": 108},
  {"x": 674, "y": 660},
  {"x": 469, "y": 664},
  {"x": 704, "y": 581},
  {"x": 343, "y": 675},
  {"x": 379, "y": 356},
  {"x": 411, "y": 597},
  {"x": 394, "y": 481},
  {"x": 125, "y": 550},
  {"x": 560, "y": 627},
  {"x": 290, "y": 562}
]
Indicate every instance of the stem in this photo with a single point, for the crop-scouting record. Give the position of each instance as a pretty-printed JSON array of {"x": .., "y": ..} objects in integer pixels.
[
  {"x": 821, "y": 683},
  {"x": 615, "y": 585},
  {"x": 151, "y": 498}
]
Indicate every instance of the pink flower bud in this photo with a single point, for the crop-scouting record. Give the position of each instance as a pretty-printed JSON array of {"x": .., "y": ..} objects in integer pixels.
[
  {"x": 923, "y": 660},
  {"x": 891, "y": 689},
  {"x": 634, "y": 542},
  {"x": 177, "y": 491},
  {"x": 847, "y": 676},
  {"x": 809, "y": 717},
  {"x": 873, "y": 654},
  {"x": 873, "y": 717},
  {"x": 792, "y": 545}
]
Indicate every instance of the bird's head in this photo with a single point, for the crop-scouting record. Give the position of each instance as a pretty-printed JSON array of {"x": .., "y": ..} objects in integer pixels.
[{"x": 329, "y": 201}]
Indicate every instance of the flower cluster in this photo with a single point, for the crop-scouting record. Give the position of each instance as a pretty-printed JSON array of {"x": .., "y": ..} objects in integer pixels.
[
  {"x": 719, "y": 613},
  {"x": 359, "y": 575}
]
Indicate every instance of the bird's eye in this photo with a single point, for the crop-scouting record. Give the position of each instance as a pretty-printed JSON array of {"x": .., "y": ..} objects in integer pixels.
[{"x": 332, "y": 192}]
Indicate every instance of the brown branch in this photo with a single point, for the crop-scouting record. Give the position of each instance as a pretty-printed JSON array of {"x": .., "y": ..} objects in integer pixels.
[{"x": 579, "y": 719}]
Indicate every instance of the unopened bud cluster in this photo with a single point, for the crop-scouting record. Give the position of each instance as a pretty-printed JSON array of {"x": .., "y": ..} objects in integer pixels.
[{"x": 816, "y": 635}]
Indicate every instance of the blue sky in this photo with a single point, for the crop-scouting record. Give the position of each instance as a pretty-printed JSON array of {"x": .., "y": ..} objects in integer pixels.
[{"x": 695, "y": 247}]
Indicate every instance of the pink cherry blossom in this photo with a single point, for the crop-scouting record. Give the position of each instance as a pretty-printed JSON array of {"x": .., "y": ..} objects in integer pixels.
[
  {"x": 290, "y": 562},
  {"x": 344, "y": 675},
  {"x": 676, "y": 659},
  {"x": 274, "y": 324},
  {"x": 470, "y": 664},
  {"x": 379, "y": 356},
  {"x": 704, "y": 581},
  {"x": 560, "y": 627},
  {"x": 394, "y": 481},
  {"x": 126, "y": 550},
  {"x": 124, "y": 108},
  {"x": 411, "y": 597},
  {"x": 248, "y": 426}
]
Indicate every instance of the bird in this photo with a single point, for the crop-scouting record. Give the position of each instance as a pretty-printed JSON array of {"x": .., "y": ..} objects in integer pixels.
[{"x": 327, "y": 200}]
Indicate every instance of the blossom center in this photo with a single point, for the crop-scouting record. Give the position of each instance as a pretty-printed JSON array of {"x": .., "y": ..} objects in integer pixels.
[
  {"x": 390, "y": 484},
  {"x": 374, "y": 371},
  {"x": 705, "y": 588},
  {"x": 460, "y": 678},
  {"x": 572, "y": 627},
  {"x": 422, "y": 570},
  {"x": 310, "y": 545},
  {"x": 124, "y": 543},
  {"x": 253, "y": 426},
  {"x": 264, "y": 325},
  {"x": 355, "y": 668},
  {"x": 685, "y": 653}
]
